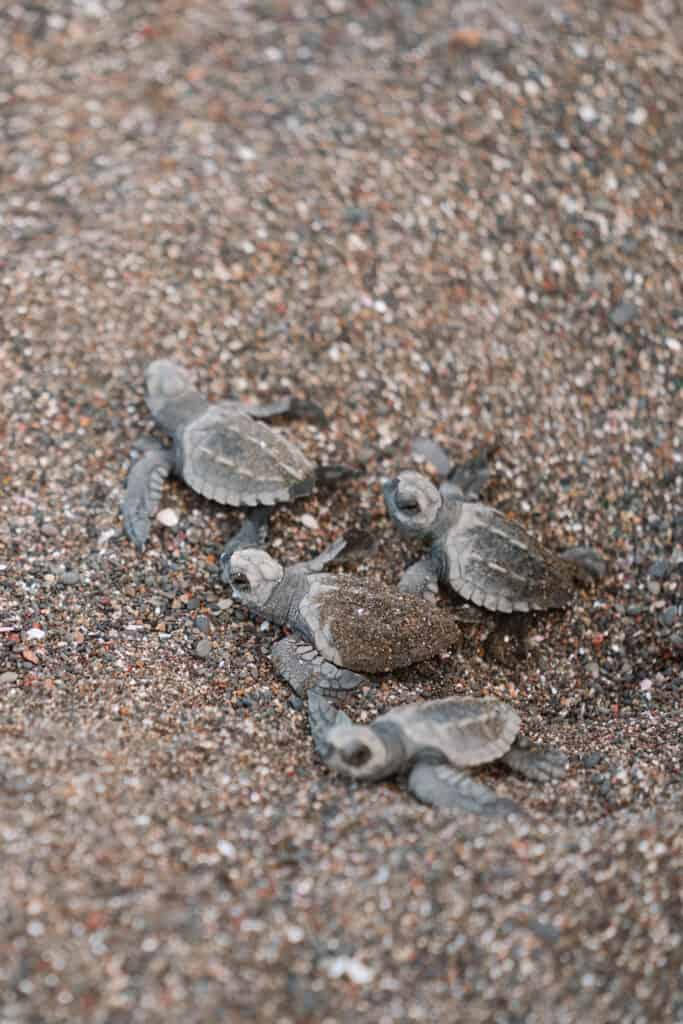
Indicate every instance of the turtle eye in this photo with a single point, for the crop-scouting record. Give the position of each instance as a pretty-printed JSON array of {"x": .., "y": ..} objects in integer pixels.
[
  {"x": 240, "y": 580},
  {"x": 357, "y": 754}
]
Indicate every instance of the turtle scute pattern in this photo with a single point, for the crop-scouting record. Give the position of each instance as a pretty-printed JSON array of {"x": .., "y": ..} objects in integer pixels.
[
  {"x": 497, "y": 565},
  {"x": 236, "y": 460},
  {"x": 470, "y": 730},
  {"x": 376, "y": 628}
]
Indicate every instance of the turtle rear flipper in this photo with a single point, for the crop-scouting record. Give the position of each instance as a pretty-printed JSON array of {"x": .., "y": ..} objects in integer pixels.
[
  {"x": 335, "y": 473},
  {"x": 540, "y": 764},
  {"x": 587, "y": 563},
  {"x": 143, "y": 493},
  {"x": 441, "y": 785}
]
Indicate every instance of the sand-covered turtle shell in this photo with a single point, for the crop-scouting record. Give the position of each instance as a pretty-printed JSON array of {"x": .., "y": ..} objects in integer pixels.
[
  {"x": 369, "y": 627},
  {"x": 235, "y": 460},
  {"x": 493, "y": 562},
  {"x": 466, "y": 730}
]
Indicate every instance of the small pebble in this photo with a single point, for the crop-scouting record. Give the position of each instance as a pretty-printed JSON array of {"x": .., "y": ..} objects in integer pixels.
[
  {"x": 623, "y": 314},
  {"x": 310, "y": 522},
  {"x": 226, "y": 849},
  {"x": 669, "y": 615},
  {"x": 660, "y": 570},
  {"x": 351, "y": 968},
  {"x": 202, "y": 623},
  {"x": 168, "y": 517},
  {"x": 35, "y": 634},
  {"x": 70, "y": 577},
  {"x": 8, "y": 677}
]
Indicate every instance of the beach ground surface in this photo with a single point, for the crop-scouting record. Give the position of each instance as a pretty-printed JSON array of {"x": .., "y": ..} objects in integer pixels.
[{"x": 458, "y": 222}]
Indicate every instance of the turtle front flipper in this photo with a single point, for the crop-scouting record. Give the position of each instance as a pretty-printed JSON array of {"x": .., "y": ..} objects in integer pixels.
[
  {"x": 291, "y": 407},
  {"x": 352, "y": 547},
  {"x": 323, "y": 716},
  {"x": 441, "y": 785},
  {"x": 540, "y": 764},
  {"x": 421, "y": 578},
  {"x": 303, "y": 668},
  {"x": 252, "y": 534},
  {"x": 143, "y": 492},
  {"x": 466, "y": 482}
]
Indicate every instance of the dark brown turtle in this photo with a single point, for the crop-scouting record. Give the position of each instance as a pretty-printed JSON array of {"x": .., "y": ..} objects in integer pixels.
[{"x": 347, "y": 625}]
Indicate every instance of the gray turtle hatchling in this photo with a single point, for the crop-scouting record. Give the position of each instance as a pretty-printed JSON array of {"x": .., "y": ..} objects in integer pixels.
[
  {"x": 347, "y": 625},
  {"x": 433, "y": 742},
  {"x": 220, "y": 450},
  {"x": 480, "y": 554}
]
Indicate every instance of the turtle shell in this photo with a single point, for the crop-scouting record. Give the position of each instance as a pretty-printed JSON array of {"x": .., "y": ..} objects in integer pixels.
[
  {"x": 493, "y": 562},
  {"x": 369, "y": 627},
  {"x": 466, "y": 730},
  {"x": 235, "y": 460}
]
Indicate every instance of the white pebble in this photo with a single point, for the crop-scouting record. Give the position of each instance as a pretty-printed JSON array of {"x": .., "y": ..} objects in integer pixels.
[
  {"x": 309, "y": 521},
  {"x": 226, "y": 849},
  {"x": 673, "y": 344},
  {"x": 637, "y": 116},
  {"x": 168, "y": 517},
  {"x": 587, "y": 113},
  {"x": 355, "y": 970},
  {"x": 35, "y": 634}
]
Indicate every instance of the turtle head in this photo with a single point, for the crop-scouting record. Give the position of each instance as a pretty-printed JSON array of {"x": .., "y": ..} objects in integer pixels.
[
  {"x": 357, "y": 751},
  {"x": 166, "y": 381},
  {"x": 253, "y": 576},
  {"x": 413, "y": 502}
]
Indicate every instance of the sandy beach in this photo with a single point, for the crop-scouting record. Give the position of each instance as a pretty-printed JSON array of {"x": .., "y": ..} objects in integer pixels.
[{"x": 448, "y": 221}]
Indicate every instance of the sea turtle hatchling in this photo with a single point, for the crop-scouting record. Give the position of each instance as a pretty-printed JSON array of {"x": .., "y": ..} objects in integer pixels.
[
  {"x": 220, "y": 449},
  {"x": 434, "y": 741},
  {"x": 347, "y": 625},
  {"x": 480, "y": 554}
]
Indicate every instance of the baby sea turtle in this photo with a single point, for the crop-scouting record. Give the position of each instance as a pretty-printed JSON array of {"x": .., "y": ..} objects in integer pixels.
[
  {"x": 480, "y": 554},
  {"x": 347, "y": 625},
  {"x": 219, "y": 449},
  {"x": 434, "y": 741}
]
